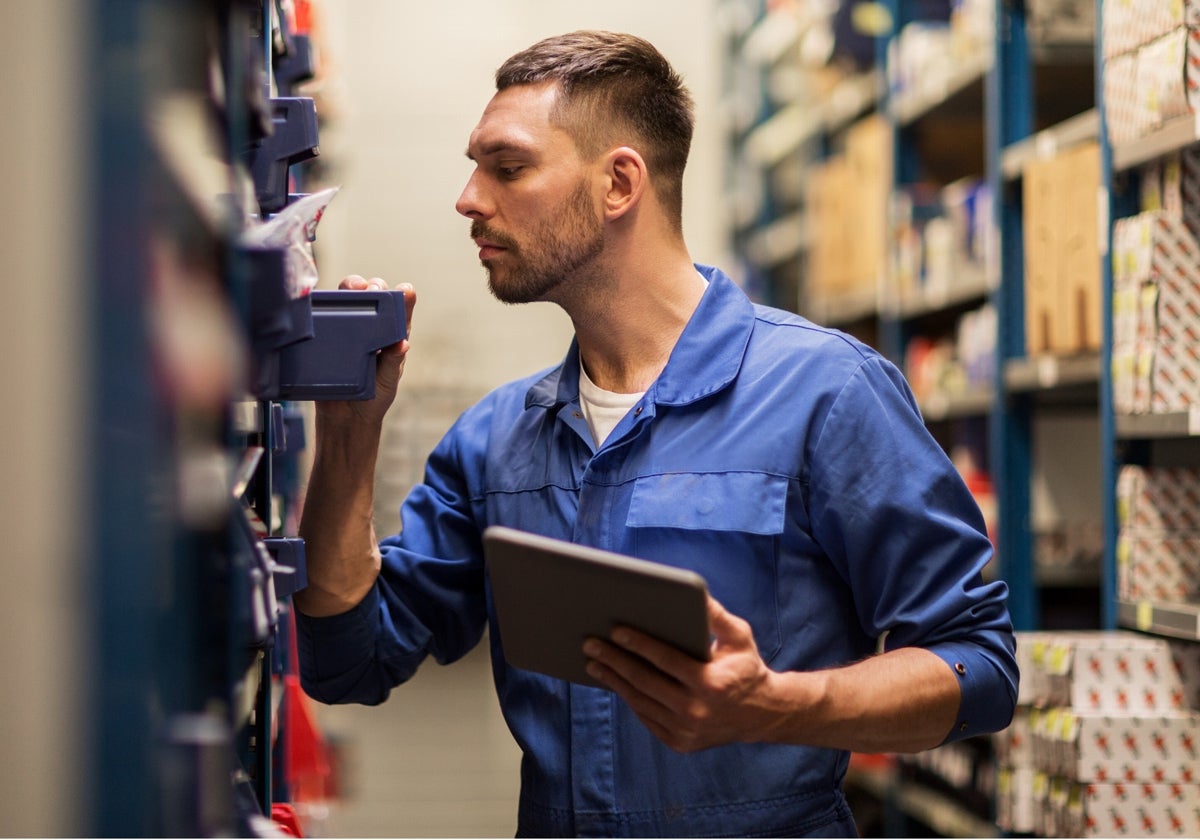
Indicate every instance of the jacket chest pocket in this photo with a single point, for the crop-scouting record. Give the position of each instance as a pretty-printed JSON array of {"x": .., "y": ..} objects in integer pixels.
[{"x": 727, "y": 527}]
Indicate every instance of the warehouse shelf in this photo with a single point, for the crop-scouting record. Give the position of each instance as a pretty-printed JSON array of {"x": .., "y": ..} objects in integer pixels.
[
  {"x": 844, "y": 309},
  {"x": 975, "y": 402},
  {"x": 1048, "y": 142},
  {"x": 964, "y": 79},
  {"x": 932, "y": 808},
  {"x": 771, "y": 36},
  {"x": 1179, "y": 621},
  {"x": 1174, "y": 135},
  {"x": 1042, "y": 373},
  {"x": 794, "y": 125},
  {"x": 1068, "y": 575},
  {"x": 1178, "y": 424},
  {"x": 779, "y": 241},
  {"x": 972, "y": 287}
]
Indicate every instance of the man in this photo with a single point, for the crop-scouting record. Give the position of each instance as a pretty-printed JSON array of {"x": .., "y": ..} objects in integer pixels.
[{"x": 784, "y": 462}]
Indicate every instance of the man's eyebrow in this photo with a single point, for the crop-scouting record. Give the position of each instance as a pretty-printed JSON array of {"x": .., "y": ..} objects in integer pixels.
[{"x": 496, "y": 148}]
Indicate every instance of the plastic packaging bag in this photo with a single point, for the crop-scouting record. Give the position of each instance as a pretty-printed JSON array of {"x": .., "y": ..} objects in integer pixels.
[{"x": 294, "y": 228}]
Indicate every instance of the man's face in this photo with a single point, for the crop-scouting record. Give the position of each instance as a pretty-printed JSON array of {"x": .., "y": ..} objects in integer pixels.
[{"x": 530, "y": 198}]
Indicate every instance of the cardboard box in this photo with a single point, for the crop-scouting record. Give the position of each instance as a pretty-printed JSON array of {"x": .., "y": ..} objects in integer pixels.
[
  {"x": 1063, "y": 311},
  {"x": 1041, "y": 201},
  {"x": 1121, "y": 100},
  {"x": 1096, "y": 747},
  {"x": 1013, "y": 745},
  {"x": 1119, "y": 27},
  {"x": 1119, "y": 810},
  {"x": 1174, "y": 376},
  {"x": 1158, "y": 498},
  {"x": 1118, "y": 672},
  {"x": 825, "y": 210},
  {"x": 1158, "y": 565},
  {"x": 1080, "y": 269},
  {"x": 1181, "y": 182},
  {"x": 1015, "y": 800},
  {"x": 869, "y": 164},
  {"x": 1161, "y": 80}
]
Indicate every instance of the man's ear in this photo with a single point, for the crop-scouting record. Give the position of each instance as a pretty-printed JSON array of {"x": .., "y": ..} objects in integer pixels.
[{"x": 627, "y": 181}]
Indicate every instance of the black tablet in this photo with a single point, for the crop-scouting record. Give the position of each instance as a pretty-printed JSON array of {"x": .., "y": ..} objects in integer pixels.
[{"x": 551, "y": 594}]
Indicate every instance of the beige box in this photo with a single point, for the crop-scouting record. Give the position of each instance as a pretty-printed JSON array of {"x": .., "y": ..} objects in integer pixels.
[
  {"x": 825, "y": 200},
  {"x": 1015, "y": 801},
  {"x": 1174, "y": 377},
  {"x": 1120, "y": 810},
  {"x": 1119, "y": 27},
  {"x": 1013, "y": 745},
  {"x": 1041, "y": 217},
  {"x": 1080, "y": 267},
  {"x": 1094, "y": 747},
  {"x": 869, "y": 165},
  {"x": 1118, "y": 672},
  {"x": 1181, "y": 180},
  {"x": 1161, "y": 80},
  {"x": 1158, "y": 498},
  {"x": 1063, "y": 311},
  {"x": 1122, "y": 116},
  {"x": 1158, "y": 565}
]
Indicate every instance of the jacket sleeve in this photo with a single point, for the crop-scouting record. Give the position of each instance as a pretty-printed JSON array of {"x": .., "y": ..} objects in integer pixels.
[
  {"x": 895, "y": 517},
  {"x": 428, "y": 600}
]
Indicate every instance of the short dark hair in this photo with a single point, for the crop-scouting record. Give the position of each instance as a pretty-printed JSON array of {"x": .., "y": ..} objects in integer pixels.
[{"x": 613, "y": 84}]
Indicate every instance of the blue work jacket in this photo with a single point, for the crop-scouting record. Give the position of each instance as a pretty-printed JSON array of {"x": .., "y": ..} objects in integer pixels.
[{"x": 785, "y": 463}]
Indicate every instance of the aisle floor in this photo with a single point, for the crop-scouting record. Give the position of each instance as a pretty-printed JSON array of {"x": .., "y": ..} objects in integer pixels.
[{"x": 435, "y": 760}]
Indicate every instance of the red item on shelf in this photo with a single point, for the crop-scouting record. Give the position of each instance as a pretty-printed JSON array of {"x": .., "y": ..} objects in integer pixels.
[
  {"x": 306, "y": 761},
  {"x": 284, "y": 816}
]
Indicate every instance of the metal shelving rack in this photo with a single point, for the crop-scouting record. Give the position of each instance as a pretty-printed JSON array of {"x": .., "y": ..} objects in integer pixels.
[
  {"x": 1170, "y": 437},
  {"x": 189, "y": 443},
  {"x": 1004, "y": 90}
]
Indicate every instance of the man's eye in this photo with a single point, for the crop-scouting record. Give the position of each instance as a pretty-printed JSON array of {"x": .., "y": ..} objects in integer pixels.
[{"x": 509, "y": 171}]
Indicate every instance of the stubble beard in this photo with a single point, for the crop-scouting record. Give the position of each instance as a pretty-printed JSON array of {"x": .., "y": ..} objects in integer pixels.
[{"x": 557, "y": 250}]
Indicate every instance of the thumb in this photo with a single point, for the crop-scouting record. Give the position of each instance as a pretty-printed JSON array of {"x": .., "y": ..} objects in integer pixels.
[
  {"x": 730, "y": 632},
  {"x": 724, "y": 625}
]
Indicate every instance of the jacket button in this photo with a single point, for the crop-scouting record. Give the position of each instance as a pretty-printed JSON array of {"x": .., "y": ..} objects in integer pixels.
[
  {"x": 960, "y": 668},
  {"x": 962, "y": 727}
]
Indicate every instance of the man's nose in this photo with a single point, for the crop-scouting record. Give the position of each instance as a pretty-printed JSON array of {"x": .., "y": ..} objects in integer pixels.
[{"x": 471, "y": 202}]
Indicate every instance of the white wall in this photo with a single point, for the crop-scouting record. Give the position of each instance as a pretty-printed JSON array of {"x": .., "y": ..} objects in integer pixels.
[
  {"x": 42, "y": 365},
  {"x": 407, "y": 83}
]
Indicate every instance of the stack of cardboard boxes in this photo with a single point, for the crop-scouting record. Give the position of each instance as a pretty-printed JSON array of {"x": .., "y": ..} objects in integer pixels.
[
  {"x": 1158, "y": 547},
  {"x": 1151, "y": 66},
  {"x": 1105, "y": 742},
  {"x": 1156, "y": 293}
]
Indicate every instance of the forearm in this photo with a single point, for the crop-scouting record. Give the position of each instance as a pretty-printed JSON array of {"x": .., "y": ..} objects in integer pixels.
[
  {"x": 337, "y": 521},
  {"x": 905, "y": 700}
]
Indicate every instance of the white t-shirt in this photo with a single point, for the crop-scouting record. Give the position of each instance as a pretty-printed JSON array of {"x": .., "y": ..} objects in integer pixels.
[{"x": 602, "y": 409}]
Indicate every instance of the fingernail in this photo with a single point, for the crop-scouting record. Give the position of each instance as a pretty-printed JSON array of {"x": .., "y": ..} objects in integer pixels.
[{"x": 591, "y": 647}]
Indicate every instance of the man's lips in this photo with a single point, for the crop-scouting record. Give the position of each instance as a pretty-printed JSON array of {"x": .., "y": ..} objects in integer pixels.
[{"x": 489, "y": 249}]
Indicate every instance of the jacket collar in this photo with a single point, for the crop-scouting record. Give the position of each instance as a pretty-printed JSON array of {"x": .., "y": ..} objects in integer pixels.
[{"x": 705, "y": 360}]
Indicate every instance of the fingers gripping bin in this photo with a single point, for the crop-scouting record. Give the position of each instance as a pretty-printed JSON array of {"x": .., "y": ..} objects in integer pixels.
[{"x": 338, "y": 362}]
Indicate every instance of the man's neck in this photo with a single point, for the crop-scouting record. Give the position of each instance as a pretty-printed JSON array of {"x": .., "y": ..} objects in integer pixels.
[{"x": 626, "y": 338}]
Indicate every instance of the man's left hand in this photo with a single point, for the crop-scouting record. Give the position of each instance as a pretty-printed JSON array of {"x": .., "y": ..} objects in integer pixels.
[{"x": 687, "y": 704}]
